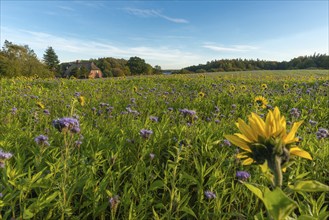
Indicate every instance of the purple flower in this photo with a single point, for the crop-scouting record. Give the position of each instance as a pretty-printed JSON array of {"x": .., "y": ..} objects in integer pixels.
[
  {"x": 187, "y": 112},
  {"x": 78, "y": 143},
  {"x": 227, "y": 142},
  {"x": 295, "y": 112},
  {"x": 210, "y": 195},
  {"x": 170, "y": 109},
  {"x": 46, "y": 111},
  {"x": 13, "y": 110},
  {"x": 145, "y": 133},
  {"x": 114, "y": 201},
  {"x": 154, "y": 118},
  {"x": 242, "y": 175},
  {"x": 4, "y": 156},
  {"x": 67, "y": 124},
  {"x": 42, "y": 140},
  {"x": 322, "y": 133},
  {"x": 132, "y": 111},
  {"x": 312, "y": 122}
]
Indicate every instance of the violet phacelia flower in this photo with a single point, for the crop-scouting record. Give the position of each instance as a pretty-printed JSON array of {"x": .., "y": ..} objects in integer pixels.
[
  {"x": 67, "y": 124},
  {"x": 3, "y": 157},
  {"x": 42, "y": 140},
  {"x": 210, "y": 195},
  {"x": 242, "y": 175},
  {"x": 145, "y": 133}
]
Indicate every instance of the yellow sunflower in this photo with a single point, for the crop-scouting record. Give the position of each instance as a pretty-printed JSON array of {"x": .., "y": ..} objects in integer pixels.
[
  {"x": 232, "y": 88},
  {"x": 40, "y": 105},
  {"x": 243, "y": 88},
  {"x": 201, "y": 94},
  {"x": 260, "y": 139},
  {"x": 81, "y": 100},
  {"x": 264, "y": 86},
  {"x": 135, "y": 88},
  {"x": 285, "y": 86},
  {"x": 260, "y": 101}
]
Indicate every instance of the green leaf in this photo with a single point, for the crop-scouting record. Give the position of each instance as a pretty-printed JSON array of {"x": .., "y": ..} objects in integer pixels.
[
  {"x": 189, "y": 211},
  {"x": 306, "y": 217},
  {"x": 259, "y": 216},
  {"x": 278, "y": 204},
  {"x": 155, "y": 215},
  {"x": 156, "y": 184},
  {"x": 27, "y": 214},
  {"x": 254, "y": 190},
  {"x": 309, "y": 186}
]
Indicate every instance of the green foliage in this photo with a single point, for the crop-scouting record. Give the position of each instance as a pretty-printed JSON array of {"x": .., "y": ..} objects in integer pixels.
[
  {"x": 111, "y": 173},
  {"x": 316, "y": 61},
  {"x": 138, "y": 66},
  {"x": 16, "y": 61},
  {"x": 50, "y": 58}
]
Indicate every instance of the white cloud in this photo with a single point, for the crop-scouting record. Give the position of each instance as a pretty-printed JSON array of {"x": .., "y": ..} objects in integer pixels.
[
  {"x": 66, "y": 8},
  {"x": 233, "y": 48},
  {"x": 153, "y": 13},
  {"x": 70, "y": 49}
]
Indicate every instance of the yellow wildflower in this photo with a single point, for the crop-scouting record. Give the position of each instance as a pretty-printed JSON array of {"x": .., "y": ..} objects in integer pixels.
[
  {"x": 82, "y": 100},
  {"x": 260, "y": 101},
  {"x": 40, "y": 105},
  {"x": 261, "y": 139},
  {"x": 264, "y": 86}
]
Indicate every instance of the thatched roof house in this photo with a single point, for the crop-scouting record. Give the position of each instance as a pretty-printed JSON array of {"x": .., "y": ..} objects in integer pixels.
[{"x": 81, "y": 69}]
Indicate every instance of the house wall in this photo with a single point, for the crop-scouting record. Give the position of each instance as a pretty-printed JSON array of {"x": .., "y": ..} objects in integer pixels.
[{"x": 95, "y": 74}]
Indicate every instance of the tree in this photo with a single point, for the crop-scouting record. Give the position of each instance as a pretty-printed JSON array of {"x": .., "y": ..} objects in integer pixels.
[
  {"x": 17, "y": 60},
  {"x": 157, "y": 69},
  {"x": 50, "y": 58},
  {"x": 137, "y": 66}
]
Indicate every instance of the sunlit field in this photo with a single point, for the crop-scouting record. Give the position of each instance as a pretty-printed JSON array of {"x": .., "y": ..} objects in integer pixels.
[{"x": 152, "y": 147}]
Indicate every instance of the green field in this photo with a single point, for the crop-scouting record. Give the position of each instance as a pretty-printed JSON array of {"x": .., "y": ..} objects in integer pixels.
[{"x": 109, "y": 170}]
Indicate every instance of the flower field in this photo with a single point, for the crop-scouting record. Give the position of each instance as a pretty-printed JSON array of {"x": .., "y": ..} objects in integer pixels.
[{"x": 155, "y": 147}]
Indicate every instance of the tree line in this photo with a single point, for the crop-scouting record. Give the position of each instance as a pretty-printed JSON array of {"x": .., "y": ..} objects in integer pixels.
[
  {"x": 315, "y": 61},
  {"x": 21, "y": 60}
]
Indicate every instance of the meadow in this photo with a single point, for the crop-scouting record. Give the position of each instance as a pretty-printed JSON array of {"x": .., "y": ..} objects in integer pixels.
[{"x": 151, "y": 147}]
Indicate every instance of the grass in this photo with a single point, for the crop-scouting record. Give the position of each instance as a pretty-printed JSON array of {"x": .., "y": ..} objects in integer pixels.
[{"x": 112, "y": 174}]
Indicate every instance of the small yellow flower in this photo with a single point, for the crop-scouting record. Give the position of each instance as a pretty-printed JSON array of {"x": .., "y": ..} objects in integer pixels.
[
  {"x": 232, "y": 88},
  {"x": 135, "y": 89},
  {"x": 243, "y": 88},
  {"x": 40, "y": 105},
  {"x": 261, "y": 139},
  {"x": 260, "y": 102},
  {"x": 82, "y": 100},
  {"x": 285, "y": 86},
  {"x": 201, "y": 94},
  {"x": 264, "y": 86}
]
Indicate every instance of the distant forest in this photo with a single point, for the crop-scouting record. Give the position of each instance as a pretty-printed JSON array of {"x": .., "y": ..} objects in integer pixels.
[
  {"x": 21, "y": 60},
  {"x": 315, "y": 61}
]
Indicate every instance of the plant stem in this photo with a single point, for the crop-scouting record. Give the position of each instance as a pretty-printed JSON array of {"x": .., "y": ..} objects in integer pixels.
[{"x": 275, "y": 166}]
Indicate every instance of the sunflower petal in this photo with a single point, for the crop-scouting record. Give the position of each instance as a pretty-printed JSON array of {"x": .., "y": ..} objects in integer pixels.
[
  {"x": 242, "y": 155},
  {"x": 238, "y": 142},
  {"x": 246, "y": 130},
  {"x": 290, "y": 138},
  {"x": 257, "y": 124},
  {"x": 301, "y": 153},
  {"x": 247, "y": 161}
]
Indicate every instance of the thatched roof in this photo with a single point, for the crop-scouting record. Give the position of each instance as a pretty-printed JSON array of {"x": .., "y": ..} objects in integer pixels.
[{"x": 68, "y": 67}]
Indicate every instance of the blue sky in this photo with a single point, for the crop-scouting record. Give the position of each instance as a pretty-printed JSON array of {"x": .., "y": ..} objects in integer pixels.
[{"x": 172, "y": 34}]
